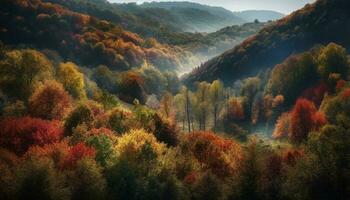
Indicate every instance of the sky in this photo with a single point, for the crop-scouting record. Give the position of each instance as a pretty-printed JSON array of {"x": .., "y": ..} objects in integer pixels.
[{"x": 283, "y": 6}]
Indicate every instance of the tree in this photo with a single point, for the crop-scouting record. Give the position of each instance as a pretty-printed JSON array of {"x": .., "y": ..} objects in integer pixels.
[
  {"x": 207, "y": 187},
  {"x": 188, "y": 105},
  {"x": 333, "y": 59},
  {"x": 18, "y": 134},
  {"x": 216, "y": 93},
  {"x": 77, "y": 153},
  {"x": 250, "y": 89},
  {"x": 87, "y": 181},
  {"x": 20, "y": 70},
  {"x": 165, "y": 131},
  {"x": 201, "y": 104},
  {"x": 37, "y": 178},
  {"x": 293, "y": 76},
  {"x": 102, "y": 140},
  {"x": 105, "y": 78},
  {"x": 219, "y": 155},
  {"x": 130, "y": 145},
  {"x": 166, "y": 105},
  {"x": 80, "y": 115},
  {"x": 304, "y": 119},
  {"x": 180, "y": 105},
  {"x": 283, "y": 126},
  {"x": 271, "y": 105},
  {"x": 72, "y": 79},
  {"x": 132, "y": 87},
  {"x": 50, "y": 101}
]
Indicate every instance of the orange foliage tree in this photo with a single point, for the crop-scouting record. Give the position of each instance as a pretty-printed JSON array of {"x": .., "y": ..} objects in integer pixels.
[
  {"x": 50, "y": 101},
  {"x": 283, "y": 126},
  {"x": 215, "y": 153}
]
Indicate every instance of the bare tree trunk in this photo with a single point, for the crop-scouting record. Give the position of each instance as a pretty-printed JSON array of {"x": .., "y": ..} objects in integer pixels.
[
  {"x": 188, "y": 112},
  {"x": 215, "y": 116}
]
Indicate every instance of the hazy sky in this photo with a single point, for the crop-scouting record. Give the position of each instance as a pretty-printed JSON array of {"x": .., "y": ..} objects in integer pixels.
[{"x": 284, "y": 6}]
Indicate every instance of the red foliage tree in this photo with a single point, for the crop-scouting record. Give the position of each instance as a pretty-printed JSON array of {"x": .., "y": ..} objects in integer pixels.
[
  {"x": 76, "y": 153},
  {"x": 18, "y": 134},
  {"x": 305, "y": 118}
]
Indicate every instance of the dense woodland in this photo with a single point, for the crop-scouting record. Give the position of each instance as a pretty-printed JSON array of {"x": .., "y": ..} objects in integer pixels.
[{"x": 92, "y": 111}]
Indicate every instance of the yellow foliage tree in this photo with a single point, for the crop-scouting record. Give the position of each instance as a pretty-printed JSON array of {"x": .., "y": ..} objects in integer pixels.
[
  {"x": 72, "y": 79},
  {"x": 131, "y": 145}
]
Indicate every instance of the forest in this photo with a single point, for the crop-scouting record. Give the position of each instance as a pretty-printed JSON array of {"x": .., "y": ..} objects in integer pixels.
[{"x": 92, "y": 107}]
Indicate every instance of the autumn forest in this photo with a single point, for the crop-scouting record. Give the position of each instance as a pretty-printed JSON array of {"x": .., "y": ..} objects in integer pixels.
[{"x": 173, "y": 100}]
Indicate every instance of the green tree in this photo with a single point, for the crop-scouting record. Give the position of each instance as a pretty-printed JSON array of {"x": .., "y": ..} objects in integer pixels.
[
  {"x": 216, "y": 94},
  {"x": 333, "y": 60},
  {"x": 87, "y": 181},
  {"x": 202, "y": 105},
  {"x": 38, "y": 179}
]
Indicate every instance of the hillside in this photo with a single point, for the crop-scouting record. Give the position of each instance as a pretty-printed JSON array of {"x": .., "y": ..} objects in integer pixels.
[
  {"x": 261, "y": 15},
  {"x": 82, "y": 38},
  {"x": 320, "y": 23}
]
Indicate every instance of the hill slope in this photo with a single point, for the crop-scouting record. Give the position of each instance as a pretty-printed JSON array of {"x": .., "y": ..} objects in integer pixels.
[{"x": 320, "y": 23}]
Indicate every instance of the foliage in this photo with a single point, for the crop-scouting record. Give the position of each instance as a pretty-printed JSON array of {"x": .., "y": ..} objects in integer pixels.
[
  {"x": 37, "y": 179},
  {"x": 130, "y": 146},
  {"x": 293, "y": 76},
  {"x": 304, "y": 119},
  {"x": 87, "y": 181},
  {"x": 77, "y": 153},
  {"x": 72, "y": 79},
  {"x": 102, "y": 140},
  {"x": 50, "y": 101},
  {"x": 333, "y": 59},
  {"x": 80, "y": 115},
  {"x": 132, "y": 87},
  {"x": 18, "y": 134},
  {"x": 220, "y": 155},
  {"x": 283, "y": 126},
  {"x": 21, "y": 70}
]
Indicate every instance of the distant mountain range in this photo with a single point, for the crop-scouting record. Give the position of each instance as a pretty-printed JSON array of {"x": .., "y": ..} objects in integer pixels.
[
  {"x": 261, "y": 15},
  {"x": 320, "y": 23},
  {"x": 197, "y": 17}
]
